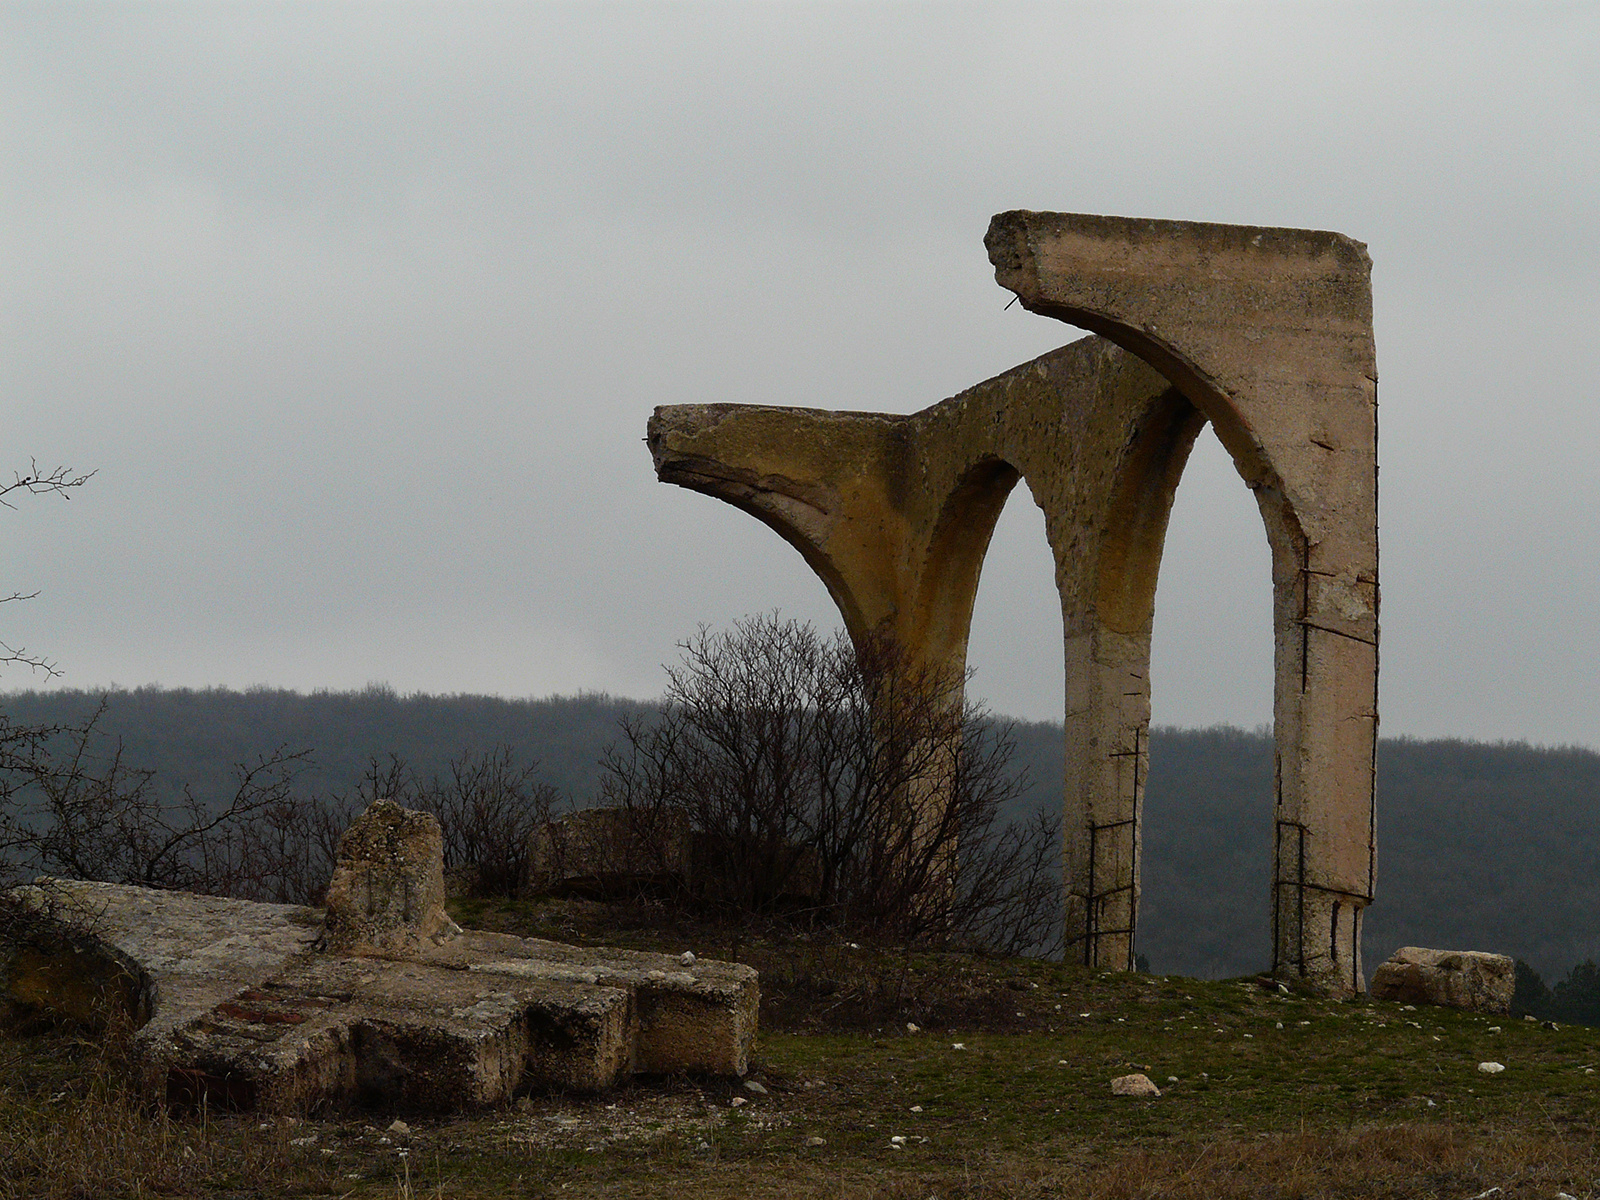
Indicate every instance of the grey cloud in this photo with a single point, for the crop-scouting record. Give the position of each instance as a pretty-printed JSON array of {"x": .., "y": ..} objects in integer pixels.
[{"x": 360, "y": 311}]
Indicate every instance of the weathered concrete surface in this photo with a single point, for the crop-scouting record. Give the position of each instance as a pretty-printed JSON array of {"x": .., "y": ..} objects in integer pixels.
[
  {"x": 386, "y": 895},
  {"x": 102, "y": 953},
  {"x": 234, "y": 1001},
  {"x": 1266, "y": 333},
  {"x": 1470, "y": 979}
]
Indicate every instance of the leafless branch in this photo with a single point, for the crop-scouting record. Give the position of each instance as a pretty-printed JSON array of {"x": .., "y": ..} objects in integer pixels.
[
  {"x": 61, "y": 481},
  {"x": 838, "y": 783},
  {"x": 20, "y": 656}
]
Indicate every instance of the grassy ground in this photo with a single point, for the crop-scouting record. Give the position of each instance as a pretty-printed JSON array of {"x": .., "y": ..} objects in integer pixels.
[{"x": 1000, "y": 1090}]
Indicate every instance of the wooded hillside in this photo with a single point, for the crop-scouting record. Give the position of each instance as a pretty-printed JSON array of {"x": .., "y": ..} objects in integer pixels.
[{"x": 1481, "y": 846}]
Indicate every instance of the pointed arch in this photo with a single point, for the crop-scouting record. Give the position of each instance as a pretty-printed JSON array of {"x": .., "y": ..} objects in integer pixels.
[{"x": 1266, "y": 333}]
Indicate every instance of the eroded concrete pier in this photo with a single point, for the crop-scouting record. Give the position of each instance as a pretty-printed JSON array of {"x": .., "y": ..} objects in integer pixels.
[{"x": 1265, "y": 333}]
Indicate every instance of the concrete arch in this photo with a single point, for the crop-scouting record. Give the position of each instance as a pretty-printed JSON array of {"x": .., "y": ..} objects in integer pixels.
[
  {"x": 1265, "y": 333},
  {"x": 1269, "y": 333},
  {"x": 947, "y": 583}
]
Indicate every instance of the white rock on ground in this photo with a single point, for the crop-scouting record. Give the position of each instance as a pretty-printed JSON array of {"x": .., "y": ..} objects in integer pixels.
[{"x": 1134, "y": 1085}]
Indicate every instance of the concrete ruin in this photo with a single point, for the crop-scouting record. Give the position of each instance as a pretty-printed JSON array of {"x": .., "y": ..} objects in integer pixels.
[
  {"x": 1466, "y": 979},
  {"x": 381, "y": 1001},
  {"x": 1266, "y": 334},
  {"x": 610, "y": 852}
]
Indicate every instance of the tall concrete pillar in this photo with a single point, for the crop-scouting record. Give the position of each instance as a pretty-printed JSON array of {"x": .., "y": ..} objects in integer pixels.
[{"x": 1268, "y": 333}]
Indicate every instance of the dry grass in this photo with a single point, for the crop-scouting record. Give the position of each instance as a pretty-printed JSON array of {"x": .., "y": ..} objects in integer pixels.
[
  {"x": 1395, "y": 1162},
  {"x": 70, "y": 1130},
  {"x": 1285, "y": 1097},
  {"x": 1406, "y": 1160}
]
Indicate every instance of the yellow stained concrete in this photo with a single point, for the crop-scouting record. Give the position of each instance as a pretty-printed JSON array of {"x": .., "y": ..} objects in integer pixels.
[{"x": 1266, "y": 333}]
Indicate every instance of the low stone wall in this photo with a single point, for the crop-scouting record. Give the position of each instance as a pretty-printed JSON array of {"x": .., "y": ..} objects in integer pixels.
[
  {"x": 610, "y": 851},
  {"x": 601, "y": 852}
]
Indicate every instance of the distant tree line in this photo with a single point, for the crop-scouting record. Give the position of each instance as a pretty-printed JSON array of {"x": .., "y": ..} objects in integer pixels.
[
  {"x": 1575, "y": 999},
  {"x": 818, "y": 785},
  {"x": 194, "y": 738},
  {"x": 72, "y": 806},
  {"x": 1481, "y": 846}
]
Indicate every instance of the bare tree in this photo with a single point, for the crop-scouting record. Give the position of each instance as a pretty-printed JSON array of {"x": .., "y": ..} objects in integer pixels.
[
  {"x": 70, "y": 804},
  {"x": 842, "y": 784},
  {"x": 488, "y": 810},
  {"x": 62, "y": 481},
  {"x": 76, "y": 808}
]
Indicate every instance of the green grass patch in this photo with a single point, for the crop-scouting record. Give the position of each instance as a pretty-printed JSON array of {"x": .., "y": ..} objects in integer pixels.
[{"x": 1001, "y": 1089}]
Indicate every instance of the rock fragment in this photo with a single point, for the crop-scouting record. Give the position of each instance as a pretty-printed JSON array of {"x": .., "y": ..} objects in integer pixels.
[
  {"x": 387, "y": 891},
  {"x": 1134, "y": 1085},
  {"x": 1465, "y": 979}
]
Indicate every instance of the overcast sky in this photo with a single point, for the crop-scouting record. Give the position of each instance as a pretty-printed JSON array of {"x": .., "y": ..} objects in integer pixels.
[{"x": 359, "y": 311}]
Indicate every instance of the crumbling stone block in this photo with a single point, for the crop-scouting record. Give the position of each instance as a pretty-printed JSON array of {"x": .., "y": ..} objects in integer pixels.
[
  {"x": 609, "y": 851},
  {"x": 387, "y": 891},
  {"x": 1469, "y": 979}
]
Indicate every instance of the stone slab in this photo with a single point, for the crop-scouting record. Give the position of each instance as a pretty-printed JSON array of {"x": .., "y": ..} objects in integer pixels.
[
  {"x": 237, "y": 1003},
  {"x": 183, "y": 952}
]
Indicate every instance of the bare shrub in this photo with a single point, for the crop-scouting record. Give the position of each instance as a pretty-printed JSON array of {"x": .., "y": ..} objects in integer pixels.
[
  {"x": 74, "y": 807},
  {"x": 71, "y": 805},
  {"x": 851, "y": 788},
  {"x": 488, "y": 810},
  {"x": 60, "y": 481}
]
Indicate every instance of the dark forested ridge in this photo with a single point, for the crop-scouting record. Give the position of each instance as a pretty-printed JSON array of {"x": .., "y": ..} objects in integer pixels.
[
  {"x": 195, "y": 738},
  {"x": 1481, "y": 846}
]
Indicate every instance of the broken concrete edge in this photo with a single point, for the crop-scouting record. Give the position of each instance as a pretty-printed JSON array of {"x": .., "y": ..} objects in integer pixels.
[
  {"x": 1013, "y": 235},
  {"x": 53, "y": 962},
  {"x": 236, "y": 1004}
]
